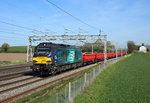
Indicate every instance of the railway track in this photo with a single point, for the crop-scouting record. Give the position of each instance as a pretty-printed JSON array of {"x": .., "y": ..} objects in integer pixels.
[
  {"x": 14, "y": 66},
  {"x": 13, "y": 90},
  {"x": 14, "y": 82},
  {"x": 15, "y": 75},
  {"x": 10, "y": 88}
]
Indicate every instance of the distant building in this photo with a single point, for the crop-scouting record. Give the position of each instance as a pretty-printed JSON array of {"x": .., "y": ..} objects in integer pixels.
[{"x": 143, "y": 48}]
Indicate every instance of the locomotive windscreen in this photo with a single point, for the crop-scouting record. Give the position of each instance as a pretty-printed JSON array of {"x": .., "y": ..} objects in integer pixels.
[{"x": 43, "y": 51}]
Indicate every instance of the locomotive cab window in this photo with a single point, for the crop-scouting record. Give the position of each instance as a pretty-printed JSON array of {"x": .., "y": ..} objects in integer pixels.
[{"x": 43, "y": 51}]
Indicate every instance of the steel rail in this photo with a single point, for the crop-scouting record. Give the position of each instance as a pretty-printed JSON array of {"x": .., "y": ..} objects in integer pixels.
[
  {"x": 14, "y": 66},
  {"x": 10, "y": 83},
  {"x": 23, "y": 85},
  {"x": 11, "y": 76}
]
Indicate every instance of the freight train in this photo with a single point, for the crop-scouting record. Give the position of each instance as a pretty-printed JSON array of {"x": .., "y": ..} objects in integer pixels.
[{"x": 50, "y": 58}]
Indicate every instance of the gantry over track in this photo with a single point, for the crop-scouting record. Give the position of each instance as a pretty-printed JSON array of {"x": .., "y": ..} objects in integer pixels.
[{"x": 65, "y": 38}]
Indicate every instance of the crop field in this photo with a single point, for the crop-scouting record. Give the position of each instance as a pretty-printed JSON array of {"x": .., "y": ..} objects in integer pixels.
[
  {"x": 17, "y": 49},
  {"x": 127, "y": 81}
]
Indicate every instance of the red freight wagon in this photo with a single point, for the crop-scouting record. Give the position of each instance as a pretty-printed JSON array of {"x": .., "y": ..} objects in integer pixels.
[
  {"x": 108, "y": 55},
  {"x": 88, "y": 57},
  {"x": 114, "y": 54},
  {"x": 118, "y": 54},
  {"x": 99, "y": 56},
  {"x": 124, "y": 53}
]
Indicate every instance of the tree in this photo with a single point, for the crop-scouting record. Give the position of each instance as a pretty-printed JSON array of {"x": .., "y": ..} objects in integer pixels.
[
  {"x": 148, "y": 48},
  {"x": 5, "y": 47},
  {"x": 110, "y": 47},
  {"x": 131, "y": 46},
  {"x": 137, "y": 47},
  {"x": 98, "y": 46}
]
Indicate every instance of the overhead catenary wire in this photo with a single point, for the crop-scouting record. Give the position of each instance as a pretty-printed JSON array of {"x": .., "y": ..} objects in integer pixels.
[
  {"x": 19, "y": 26},
  {"x": 39, "y": 32},
  {"x": 16, "y": 25},
  {"x": 71, "y": 15},
  {"x": 12, "y": 30},
  {"x": 30, "y": 29},
  {"x": 13, "y": 33},
  {"x": 11, "y": 39},
  {"x": 27, "y": 11}
]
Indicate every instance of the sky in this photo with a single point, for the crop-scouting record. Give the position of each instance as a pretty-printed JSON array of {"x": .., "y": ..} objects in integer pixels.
[{"x": 121, "y": 20}]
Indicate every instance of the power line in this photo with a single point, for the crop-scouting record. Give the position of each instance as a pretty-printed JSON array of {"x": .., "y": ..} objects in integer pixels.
[
  {"x": 16, "y": 25},
  {"x": 70, "y": 14},
  {"x": 12, "y": 39},
  {"x": 12, "y": 30},
  {"x": 33, "y": 30},
  {"x": 21, "y": 26},
  {"x": 13, "y": 33},
  {"x": 25, "y": 10}
]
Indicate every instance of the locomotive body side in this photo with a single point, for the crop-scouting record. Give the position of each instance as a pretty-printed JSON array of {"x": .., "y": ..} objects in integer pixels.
[
  {"x": 51, "y": 58},
  {"x": 67, "y": 56}
]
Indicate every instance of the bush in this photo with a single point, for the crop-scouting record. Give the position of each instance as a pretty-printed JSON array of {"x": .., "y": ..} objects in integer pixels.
[
  {"x": 131, "y": 46},
  {"x": 5, "y": 47}
]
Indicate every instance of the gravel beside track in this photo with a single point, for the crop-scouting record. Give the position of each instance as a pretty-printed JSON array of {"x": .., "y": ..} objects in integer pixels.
[{"x": 40, "y": 83}]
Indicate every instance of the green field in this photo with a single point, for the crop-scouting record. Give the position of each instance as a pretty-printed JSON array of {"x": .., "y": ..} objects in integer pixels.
[
  {"x": 127, "y": 81},
  {"x": 8, "y": 62},
  {"x": 17, "y": 49}
]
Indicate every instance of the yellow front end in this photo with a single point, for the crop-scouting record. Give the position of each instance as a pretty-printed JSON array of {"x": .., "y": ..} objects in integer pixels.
[{"x": 42, "y": 60}]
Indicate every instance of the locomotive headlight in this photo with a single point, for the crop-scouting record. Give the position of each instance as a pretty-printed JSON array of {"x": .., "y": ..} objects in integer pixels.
[
  {"x": 48, "y": 61},
  {"x": 34, "y": 61}
]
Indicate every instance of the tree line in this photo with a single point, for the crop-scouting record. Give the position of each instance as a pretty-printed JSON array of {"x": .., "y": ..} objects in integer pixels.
[
  {"x": 133, "y": 48},
  {"x": 98, "y": 47}
]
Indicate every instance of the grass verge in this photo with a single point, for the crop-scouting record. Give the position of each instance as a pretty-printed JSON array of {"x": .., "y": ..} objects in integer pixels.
[
  {"x": 127, "y": 81},
  {"x": 8, "y": 62}
]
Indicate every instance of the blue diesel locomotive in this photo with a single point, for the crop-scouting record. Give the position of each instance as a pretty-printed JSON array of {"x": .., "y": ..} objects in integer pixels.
[{"x": 50, "y": 58}]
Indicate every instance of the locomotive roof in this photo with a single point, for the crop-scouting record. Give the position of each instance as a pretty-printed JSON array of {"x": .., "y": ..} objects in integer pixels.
[{"x": 50, "y": 44}]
